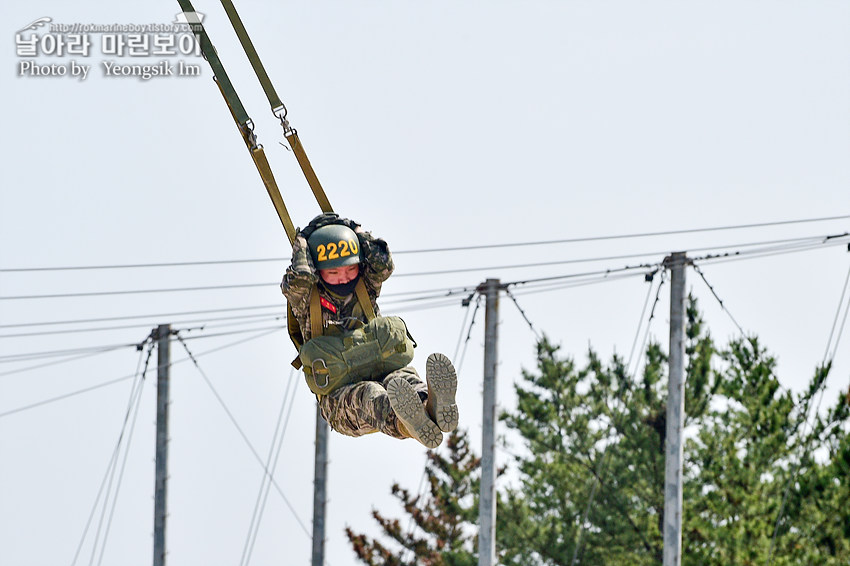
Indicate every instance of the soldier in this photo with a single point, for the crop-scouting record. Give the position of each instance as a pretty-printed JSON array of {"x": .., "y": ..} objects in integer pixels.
[{"x": 331, "y": 255}]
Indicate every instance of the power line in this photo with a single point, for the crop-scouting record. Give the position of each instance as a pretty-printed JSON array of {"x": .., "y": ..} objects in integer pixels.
[
  {"x": 642, "y": 314},
  {"x": 65, "y": 396},
  {"x": 826, "y": 354},
  {"x": 821, "y": 388},
  {"x": 445, "y": 291},
  {"x": 206, "y": 321},
  {"x": 135, "y": 396},
  {"x": 134, "y": 292},
  {"x": 840, "y": 240},
  {"x": 70, "y": 352},
  {"x": 794, "y": 245},
  {"x": 597, "y": 474},
  {"x": 629, "y": 236},
  {"x": 440, "y": 250},
  {"x": 440, "y": 301},
  {"x": 263, "y": 333},
  {"x": 57, "y": 362},
  {"x": 139, "y": 316}
]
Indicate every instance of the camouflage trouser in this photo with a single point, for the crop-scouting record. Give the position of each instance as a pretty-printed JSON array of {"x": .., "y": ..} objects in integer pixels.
[{"x": 364, "y": 407}]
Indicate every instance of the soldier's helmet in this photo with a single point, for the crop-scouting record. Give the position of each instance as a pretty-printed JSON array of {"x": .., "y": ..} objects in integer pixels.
[{"x": 334, "y": 246}]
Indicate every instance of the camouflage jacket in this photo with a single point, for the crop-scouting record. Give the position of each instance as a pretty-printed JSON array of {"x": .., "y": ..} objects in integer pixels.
[{"x": 301, "y": 276}]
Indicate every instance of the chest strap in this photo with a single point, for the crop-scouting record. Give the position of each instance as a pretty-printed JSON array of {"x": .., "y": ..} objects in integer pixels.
[{"x": 316, "y": 322}]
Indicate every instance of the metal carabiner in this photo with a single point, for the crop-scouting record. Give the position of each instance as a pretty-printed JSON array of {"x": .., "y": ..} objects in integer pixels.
[
  {"x": 280, "y": 113},
  {"x": 327, "y": 373}
]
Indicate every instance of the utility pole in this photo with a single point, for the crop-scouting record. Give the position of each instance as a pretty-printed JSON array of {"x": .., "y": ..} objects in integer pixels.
[
  {"x": 675, "y": 414},
  {"x": 320, "y": 480},
  {"x": 487, "y": 498},
  {"x": 163, "y": 336}
]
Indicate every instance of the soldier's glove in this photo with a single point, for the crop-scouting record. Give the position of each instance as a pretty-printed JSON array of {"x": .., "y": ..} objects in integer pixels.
[
  {"x": 325, "y": 219},
  {"x": 302, "y": 261}
]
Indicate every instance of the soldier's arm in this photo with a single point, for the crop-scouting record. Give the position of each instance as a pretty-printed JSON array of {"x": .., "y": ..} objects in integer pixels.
[
  {"x": 300, "y": 277},
  {"x": 377, "y": 259}
]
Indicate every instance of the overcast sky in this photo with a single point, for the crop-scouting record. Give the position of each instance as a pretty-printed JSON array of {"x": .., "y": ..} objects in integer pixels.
[{"x": 435, "y": 125}]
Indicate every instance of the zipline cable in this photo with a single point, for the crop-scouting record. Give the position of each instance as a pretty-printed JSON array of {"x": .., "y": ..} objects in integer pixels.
[
  {"x": 469, "y": 332},
  {"x": 242, "y": 433},
  {"x": 522, "y": 312},
  {"x": 254, "y": 525},
  {"x": 826, "y": 354},
  {"x": 420, "y": 491},
  {"x": 140, "y": 388},
  {"x": 274, "y": 466},
  {"x": 719, "y": 300},
  {"x": 649, "y": 279},
  {"x": 596, "y": 479}
]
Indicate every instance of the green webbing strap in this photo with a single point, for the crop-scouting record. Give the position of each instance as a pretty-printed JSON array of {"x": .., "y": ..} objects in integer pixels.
[
  {"x": 210, "y": 54},
  {"x": 248, "y": 46},
  {"x": 278, "y": 109},
  {"x": 258, "y": 155},
  {"x": 243, "y": 121}
]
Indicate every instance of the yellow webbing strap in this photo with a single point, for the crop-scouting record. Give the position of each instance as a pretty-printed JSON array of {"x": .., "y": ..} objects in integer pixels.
[
  {"x": 295, "y": 335},
  {"x": 316, "y": 321},
  {"x": 365, "y": 301},
  {"x": 258, "y": 155},
  {"x": 262, "y": 163},
  {"x": 307, "y": 169},
  {"x": 316, "y": 326}
]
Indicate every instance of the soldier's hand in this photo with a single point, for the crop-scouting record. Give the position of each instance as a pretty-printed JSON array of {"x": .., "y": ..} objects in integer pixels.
[
  {"x": 321, "y": 220},
  {"x": 302, "y": 261}
]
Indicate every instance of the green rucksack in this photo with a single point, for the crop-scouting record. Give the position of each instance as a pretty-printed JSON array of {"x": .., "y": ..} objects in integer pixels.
[{"x": 379, "y": 347}]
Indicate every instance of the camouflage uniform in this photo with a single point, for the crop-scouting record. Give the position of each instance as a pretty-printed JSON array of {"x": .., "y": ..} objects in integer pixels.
[{"x": 358, "y": 408}]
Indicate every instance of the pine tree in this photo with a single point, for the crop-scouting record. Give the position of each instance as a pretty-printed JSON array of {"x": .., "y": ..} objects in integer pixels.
[
  {"x": 766, "y": 479},
  {"x": 760, "y": 485},
  {"x": 442, "y": 528}
]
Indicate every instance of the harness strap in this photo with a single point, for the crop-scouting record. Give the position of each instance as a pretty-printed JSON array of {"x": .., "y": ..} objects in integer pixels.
[
  {"x": 364, "y": 300},
  {"x": 211, "y": 56},
  {"x": 253, "y": 57},
  {"x": 316, "y": 323},
  {"x": 307, "y": 169},
  {"x": 262, "y": 163},
  {"x": 278, "y": 108},
  {"x": 240, "y": 116},
  {"x": 294, "y": 330}
]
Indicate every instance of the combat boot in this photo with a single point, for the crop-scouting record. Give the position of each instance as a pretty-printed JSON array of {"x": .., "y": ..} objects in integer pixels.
[
  {"x": 442, "y": 386},
  {"x": 413, "y": 421}
]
